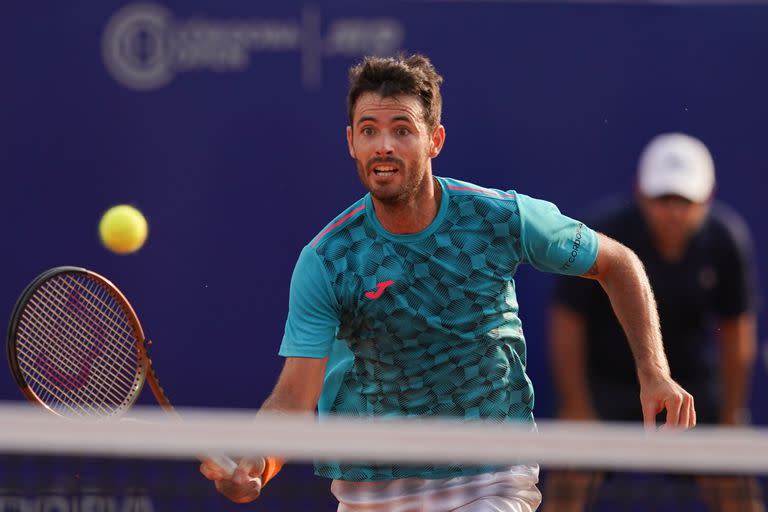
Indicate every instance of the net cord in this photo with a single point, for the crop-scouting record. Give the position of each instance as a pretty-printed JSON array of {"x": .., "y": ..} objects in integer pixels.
[{"x": 154, "y": 434}]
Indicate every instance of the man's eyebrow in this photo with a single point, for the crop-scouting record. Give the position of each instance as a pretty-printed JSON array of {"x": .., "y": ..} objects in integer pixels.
[
  {"x": 374, "y": 119},
  {"x": 366, "y": 118}
]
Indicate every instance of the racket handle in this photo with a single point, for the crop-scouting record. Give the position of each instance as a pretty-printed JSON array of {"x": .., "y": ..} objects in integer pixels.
[
  {"x": 224, "y": 463},
  {"x": 229, "y": 465}
]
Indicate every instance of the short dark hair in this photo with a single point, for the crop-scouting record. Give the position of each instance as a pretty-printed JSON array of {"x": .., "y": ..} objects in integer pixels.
[{"x": 395, "y": 76}]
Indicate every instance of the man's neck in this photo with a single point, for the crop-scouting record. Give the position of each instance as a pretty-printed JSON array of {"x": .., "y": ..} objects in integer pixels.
[
  {"x": 413, "y": 215},
  {"x": 671, "y": 253},
  {"x": 671, "y": 250}
]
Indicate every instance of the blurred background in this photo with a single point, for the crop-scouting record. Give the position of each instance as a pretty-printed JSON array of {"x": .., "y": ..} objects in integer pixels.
[{"x": 223, "y": 122}]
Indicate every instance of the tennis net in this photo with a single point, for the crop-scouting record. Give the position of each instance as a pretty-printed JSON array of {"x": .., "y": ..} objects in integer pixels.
[{"x": 149, "y": 463}]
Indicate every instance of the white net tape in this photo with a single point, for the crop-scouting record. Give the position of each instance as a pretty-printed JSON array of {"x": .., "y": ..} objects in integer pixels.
[{"x": 302, "y": 438}]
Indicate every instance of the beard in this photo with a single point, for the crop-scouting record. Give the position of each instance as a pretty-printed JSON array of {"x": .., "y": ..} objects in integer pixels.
[{"x": 413, "y": 173}]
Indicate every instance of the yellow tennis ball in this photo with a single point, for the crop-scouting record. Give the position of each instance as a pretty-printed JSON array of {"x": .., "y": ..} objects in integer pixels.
[{"x": 123, "y": 229}]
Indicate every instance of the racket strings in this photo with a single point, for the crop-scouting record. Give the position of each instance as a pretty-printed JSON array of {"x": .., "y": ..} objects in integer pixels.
[
  {"x": 112, "y": 351},
  {"x": 47, "y": 354},
  {"x": 121, "y": 335},
  {"x": 66, "y": 352},
  {"x": 50, "y": 392},
  {"x": 109, "y": 309},
  {"x": 80, "y": 372},
  {"x": 78, "y": 391},
  {"x": 63, "y": 382},
  {"x": 53, "y": 321},
  {"x": 96, "y": 364},
  {"x": 54, "y": 396}
]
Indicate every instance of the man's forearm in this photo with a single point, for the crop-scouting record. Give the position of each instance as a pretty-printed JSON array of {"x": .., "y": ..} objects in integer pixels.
[
  {"x": 622, "y": 276},
  {"x": 299, "y": 386},
  {"x": 281, "y": 400},
  {"x": 633, "y": 302}
]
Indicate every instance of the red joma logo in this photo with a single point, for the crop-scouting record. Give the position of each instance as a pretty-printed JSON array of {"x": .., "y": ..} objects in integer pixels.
[{"x": 380, "y": 287}]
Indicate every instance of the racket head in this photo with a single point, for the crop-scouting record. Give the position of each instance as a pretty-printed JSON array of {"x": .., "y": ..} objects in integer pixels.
[{"x": 75, "y": 345}]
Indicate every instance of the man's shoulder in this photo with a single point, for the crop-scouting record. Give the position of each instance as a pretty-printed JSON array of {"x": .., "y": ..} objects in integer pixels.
[
  {"x": 726, "y": 225},
  {"x": 724, "y": 215},
  {"x": 339, "y": 225},
  {"x": 458, "y": 188}
]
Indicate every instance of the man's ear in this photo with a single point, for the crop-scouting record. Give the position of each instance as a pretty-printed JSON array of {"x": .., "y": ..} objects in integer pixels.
[
  {"x": 349, "y": 142},
  {"x": 437, "y": 141}
]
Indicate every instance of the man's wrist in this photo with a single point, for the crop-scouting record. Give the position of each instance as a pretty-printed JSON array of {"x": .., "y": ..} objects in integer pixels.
[{"x": 653, "y": 372}]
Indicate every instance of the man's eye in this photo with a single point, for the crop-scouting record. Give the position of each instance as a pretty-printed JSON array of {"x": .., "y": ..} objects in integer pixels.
[
  {"x": 367, "y": 131},
  {"x": 403, "y": 131}
]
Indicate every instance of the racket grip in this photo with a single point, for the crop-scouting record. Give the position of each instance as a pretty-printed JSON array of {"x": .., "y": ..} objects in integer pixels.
[
  {"x": 224, "y": 463},
  {"x": 229, "y": 465}
]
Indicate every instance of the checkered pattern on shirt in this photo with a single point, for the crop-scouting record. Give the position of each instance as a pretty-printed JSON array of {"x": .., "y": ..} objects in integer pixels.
[{"x": 445, "y": 338}]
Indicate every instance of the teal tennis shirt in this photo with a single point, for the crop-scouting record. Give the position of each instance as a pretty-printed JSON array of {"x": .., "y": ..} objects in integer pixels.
[{"x": 427, "y": 324}]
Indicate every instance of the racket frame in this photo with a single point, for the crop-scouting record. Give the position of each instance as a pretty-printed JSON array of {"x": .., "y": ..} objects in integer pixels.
[
  {"x": 143, "y": 367},
  {"x": 145, "y": 371}
]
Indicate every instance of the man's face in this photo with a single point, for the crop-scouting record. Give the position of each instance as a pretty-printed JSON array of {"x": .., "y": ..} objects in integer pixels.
[
  {"x": 392, "y": 145},
  {"x": 673, "y": 218}
]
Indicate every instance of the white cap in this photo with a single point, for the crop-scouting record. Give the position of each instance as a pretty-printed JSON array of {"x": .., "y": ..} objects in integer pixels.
[{"x": 675, "y": 163}]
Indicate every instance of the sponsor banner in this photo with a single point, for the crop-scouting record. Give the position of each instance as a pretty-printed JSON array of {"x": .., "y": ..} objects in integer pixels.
[{"x": 145, "y": 46}]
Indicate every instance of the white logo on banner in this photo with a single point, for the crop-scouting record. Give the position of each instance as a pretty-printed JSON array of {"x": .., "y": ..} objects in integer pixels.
[
  {"x": 135, "y": 46},
  {"x": 145, "y": 47},
  {"x": 76, "y": 503}
]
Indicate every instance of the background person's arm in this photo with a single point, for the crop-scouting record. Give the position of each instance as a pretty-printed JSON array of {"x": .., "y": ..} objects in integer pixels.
[
  {"x": 568, "y": 357},
  {"x": 737, "y": 341}
]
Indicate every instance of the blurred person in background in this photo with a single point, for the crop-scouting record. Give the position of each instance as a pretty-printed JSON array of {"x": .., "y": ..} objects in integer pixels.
[
  {"x": 405, "y": 306},
  {"x": 698, "y": 255}
]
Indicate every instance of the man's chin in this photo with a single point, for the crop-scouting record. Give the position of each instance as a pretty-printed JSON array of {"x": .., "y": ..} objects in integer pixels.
[
  {"x": 383, "y": 191},
  {"x": 386, "y": 195}
]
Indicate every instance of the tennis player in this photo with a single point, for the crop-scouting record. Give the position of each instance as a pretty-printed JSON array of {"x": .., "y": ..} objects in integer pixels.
[{"x": 405, "y": 305}]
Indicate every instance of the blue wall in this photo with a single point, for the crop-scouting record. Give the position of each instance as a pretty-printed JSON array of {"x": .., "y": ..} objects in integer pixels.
[{"x": 224, "y": 122}]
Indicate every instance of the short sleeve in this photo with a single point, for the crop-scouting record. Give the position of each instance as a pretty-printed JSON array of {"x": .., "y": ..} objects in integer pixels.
[
  {"x": 737, "y": 293},
  {"x": 312, "y": 310},
  {"x": 553, "y": 242}
]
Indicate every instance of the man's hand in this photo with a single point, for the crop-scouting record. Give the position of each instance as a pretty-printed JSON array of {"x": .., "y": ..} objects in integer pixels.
[
  {"x": 242, "y": 486},
  {"x": 297, "y": 391},
  {"x": 660, "y": 393}
]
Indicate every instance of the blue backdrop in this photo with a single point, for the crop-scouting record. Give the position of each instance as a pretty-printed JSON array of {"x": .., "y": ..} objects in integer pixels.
[{"x": 224, "y": 123}]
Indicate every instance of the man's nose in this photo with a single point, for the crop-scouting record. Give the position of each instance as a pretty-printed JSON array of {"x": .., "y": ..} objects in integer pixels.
[
  {"x": 677, "y": 210},
  {"x": 385, "y": 145}
]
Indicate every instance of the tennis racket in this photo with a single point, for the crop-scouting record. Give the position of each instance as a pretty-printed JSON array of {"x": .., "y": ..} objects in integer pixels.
[{"x": 76, "y": 348}]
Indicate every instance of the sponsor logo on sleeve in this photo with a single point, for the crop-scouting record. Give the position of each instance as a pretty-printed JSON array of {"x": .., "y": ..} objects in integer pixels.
[{"x": 574, "y": 249}]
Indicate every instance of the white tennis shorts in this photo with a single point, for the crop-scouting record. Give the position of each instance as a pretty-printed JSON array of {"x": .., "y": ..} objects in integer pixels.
[{"x": 512, "y": 490}]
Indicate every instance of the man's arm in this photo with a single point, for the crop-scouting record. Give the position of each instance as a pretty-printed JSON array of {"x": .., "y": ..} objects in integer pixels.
[
  {"x": 622, "y": 276},
  {"x": 298, "y": 387},
  {"x": 297, "y": 390},
  {"x": 567, "y": 338},
  {"x": 737, "y": 338}
]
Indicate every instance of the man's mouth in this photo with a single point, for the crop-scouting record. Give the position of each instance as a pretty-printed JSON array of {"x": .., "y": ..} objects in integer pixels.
[{"x": 384, "y": 170}]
